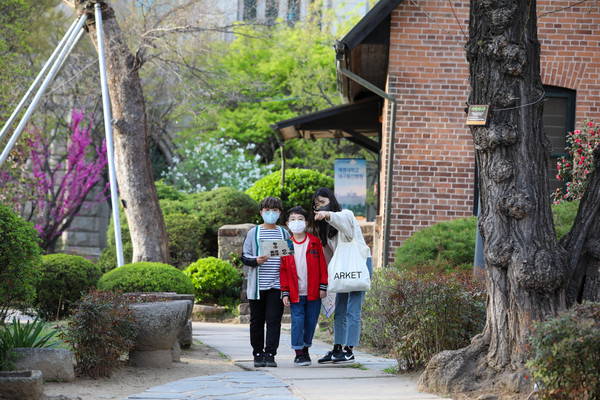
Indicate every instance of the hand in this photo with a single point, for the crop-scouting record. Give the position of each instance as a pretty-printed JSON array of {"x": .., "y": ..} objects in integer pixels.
[
  {"x": 262, "y": 259},
  {"x": 322, "y": 293},
  {"x": 319, "y": 215},
  {"x": 286, "y": 301}
]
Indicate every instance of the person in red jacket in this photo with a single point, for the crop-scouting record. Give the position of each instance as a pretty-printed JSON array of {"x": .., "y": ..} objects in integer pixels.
[{"x": 303, "y": 279}]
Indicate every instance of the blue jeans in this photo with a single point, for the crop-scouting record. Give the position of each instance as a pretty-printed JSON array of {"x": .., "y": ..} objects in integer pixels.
[
  {"x": 305, "y": 315},
  {"x": 347, "y": 314}
]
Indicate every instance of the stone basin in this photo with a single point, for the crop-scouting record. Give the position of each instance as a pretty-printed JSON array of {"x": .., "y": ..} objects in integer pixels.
[
  {"x": 21, "y": 385},
  {"x": 159, "y": 325}
]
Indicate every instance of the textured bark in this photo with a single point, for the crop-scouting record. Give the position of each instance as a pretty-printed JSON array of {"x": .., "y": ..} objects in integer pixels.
[
  {"x": 132, "y": 156},
  {"x": 526, "y": 268}
]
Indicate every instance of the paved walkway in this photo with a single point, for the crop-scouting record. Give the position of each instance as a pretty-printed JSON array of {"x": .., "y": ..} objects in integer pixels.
[{"x": 286, "y": 382}]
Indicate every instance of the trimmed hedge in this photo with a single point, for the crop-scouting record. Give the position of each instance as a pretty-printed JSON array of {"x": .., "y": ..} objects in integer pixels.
[
  {"x": 146, "y": 277},
  {"x": 63, "y": 279},
  {"x": 19, "y": 255},
  {"x": 215, "y": 280},
  {"x": 300, "y": 186}
]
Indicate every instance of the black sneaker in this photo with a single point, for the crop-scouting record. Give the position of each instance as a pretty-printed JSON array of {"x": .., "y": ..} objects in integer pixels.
[
  {"x": 343, "y": 357},
  {"x": 326, "y": 358},
  {"x": 301, "y": 360},
  {"x": 305, "y": 352},
  {"x": 259, "y": 360},
  {"x": 270, "y": 360}
]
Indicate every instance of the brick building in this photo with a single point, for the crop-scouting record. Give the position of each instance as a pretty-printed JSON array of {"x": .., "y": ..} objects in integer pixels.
[{"x": 403, "y": 74}]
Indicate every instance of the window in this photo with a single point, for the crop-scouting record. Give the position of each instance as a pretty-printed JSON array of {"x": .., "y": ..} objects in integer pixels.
[
  {"x": 559, "y": 120},
  {"x": 249, "y": 10},
  {"x": 293, "y": 10},
  {"x": 271, "y": 11}
]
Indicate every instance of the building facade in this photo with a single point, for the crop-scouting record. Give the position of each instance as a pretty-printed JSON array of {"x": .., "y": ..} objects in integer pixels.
[{"x": 408, "y": 57}]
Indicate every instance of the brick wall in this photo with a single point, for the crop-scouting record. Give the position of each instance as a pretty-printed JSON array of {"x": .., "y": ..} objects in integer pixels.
[{"x": 433, "y": 168}]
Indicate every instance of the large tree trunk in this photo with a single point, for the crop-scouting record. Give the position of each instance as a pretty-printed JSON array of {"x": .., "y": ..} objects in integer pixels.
[
  {"x": 526, "y": 269},
  {"x": 132, "y": 155}
]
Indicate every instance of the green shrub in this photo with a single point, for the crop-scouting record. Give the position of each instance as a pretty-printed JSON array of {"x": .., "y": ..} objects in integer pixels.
[
  {"x": 63, "y": 278},
  {"x": 417, "y": 314},
  {"x": 19, "y": 254},
  {"x": 29, "y": 335},
  {"x": 450, "y": 245},
  {"x": 566, "y": 361},
  {"x": 300, "y": 186},
  {"x": 222, "y": 206},
  {"x": 446, "y": 245},
  {"x": 185, "y": 233},
  {"x": 146, "y": 277},
  {"x": 100, "y": 331},
  {"x": 168, "y": 192},
  {"x": 174, "y": 207},
  {"x": 215, "y": 280},
  {"x": 564, "y": 215}
]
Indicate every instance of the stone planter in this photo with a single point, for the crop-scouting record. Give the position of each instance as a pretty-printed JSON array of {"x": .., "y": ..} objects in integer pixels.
[
  {"x": 21, "y": 385},
  {"x": 185, "y": 339},
  {"x": 56, "y": 365},
  {"x": 159, "y": 325}
]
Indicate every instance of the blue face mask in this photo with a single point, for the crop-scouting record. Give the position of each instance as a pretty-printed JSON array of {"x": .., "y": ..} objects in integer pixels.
[{"x": 270, "y": 217}]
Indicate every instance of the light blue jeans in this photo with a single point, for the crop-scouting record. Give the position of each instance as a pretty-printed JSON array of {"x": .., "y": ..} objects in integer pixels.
[{"x": 347, "y": 314}]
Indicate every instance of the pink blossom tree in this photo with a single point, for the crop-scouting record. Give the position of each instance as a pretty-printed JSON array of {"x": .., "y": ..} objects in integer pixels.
[{"x": 52, "y": 193}]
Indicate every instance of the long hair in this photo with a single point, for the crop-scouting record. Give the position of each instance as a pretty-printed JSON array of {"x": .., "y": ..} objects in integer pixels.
[{"x": 321, "y": 228}]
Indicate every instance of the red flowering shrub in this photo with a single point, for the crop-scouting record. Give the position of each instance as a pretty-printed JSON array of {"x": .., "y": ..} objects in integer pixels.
[{"x": 575, "y": 168}]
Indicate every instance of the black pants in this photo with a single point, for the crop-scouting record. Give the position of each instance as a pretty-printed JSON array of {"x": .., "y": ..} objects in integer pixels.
[{"x": 269, "y": 309}]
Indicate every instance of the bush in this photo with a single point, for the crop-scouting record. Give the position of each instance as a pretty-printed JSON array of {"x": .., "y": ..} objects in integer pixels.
[
  {"x": 185, "y": 233},
  {"x": 146, "y": 277},
  {"x": 564, "y": 214},
  {"x": 100, "y": 331},
  {"x": 222, "y": 206},
  {"x": 167, "y": 192},
  {"x": 300, "y": 186},
  {"x": 215, "y": 280},
  {"x": 450, "y": 245},
  {"x": 63, "y": 279},
  {"x": 19, "y": 254},
  {"x": 29, "y": 335},
  {"x": 416, "y": 314},
  {"x": 566, "y": 361},
  {"x": 445, "y": 245}
]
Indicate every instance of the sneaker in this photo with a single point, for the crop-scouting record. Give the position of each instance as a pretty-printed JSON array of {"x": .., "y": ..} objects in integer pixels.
[
  {"x": 270, "y": 360},
  {"x": 301, "y": 360},
  {"x": 343, "y": 357},
  {"x": 305, "y": 352},
  {"x": 259, "y": 360},
  {"x": 330, "y": 356}
]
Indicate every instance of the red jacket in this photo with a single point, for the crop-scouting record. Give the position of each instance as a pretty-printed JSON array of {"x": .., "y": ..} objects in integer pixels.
[{"x": 316, "y": 272}]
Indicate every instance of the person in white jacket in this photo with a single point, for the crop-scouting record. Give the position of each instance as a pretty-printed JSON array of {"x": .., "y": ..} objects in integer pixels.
[{"x": 330, "y": 219}]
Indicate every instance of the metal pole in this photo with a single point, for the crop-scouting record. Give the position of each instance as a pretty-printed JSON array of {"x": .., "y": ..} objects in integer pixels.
[
  {"x": 390, "y": 161},
  {"x": 37, "y": 80},
  {"x": 57, "y": 63},
  {"x": 109, "y": 138}
]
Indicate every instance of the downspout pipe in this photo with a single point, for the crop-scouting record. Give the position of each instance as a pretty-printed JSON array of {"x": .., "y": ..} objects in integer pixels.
[{"x": 390, "y": 161}]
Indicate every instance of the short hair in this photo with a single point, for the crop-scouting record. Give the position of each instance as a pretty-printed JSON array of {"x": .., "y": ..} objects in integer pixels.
[
  {"x": 270, "y": 202},
  {"x": 297, "y": 210}
]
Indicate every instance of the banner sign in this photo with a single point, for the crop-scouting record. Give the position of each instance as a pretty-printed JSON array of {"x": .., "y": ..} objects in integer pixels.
[{"x": 351, "y": 184}]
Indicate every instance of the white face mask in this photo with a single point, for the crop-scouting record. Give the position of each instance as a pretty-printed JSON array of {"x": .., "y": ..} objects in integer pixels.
[{"x": 297, "y": 226}]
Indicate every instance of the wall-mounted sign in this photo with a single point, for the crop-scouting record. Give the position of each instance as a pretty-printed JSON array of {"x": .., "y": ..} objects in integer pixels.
[{"x": 478, "y": 114}]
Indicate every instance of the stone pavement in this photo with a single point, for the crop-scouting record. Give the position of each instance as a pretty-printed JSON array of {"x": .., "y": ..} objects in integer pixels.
[{"x": 366, "y": 380}]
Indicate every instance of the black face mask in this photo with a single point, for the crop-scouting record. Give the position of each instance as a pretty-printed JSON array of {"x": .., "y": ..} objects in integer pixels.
[{"x": 326, "y": 207}]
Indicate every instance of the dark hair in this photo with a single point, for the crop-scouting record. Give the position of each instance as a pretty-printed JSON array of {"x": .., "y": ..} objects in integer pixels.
[
  {"x": 270, "y": 202},
  {"x": 322, "y": 229},
  {"x": 297, "y": 210}
]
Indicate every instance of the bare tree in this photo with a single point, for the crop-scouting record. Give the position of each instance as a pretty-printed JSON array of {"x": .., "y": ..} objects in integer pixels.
[
  {"x": 132, "y": 160},
  {"x": 527, "y": 270}
]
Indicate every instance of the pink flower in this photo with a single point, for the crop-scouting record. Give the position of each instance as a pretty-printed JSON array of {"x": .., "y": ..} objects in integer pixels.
[
  {"x": 590, "y": 124},
  {"x": 582, "y": 158},
  {"x": 577, "y": 131},
  {"x": 577, "y": 140}
]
